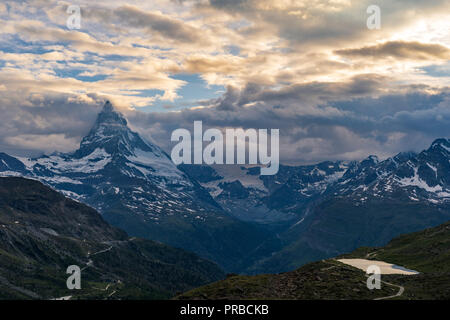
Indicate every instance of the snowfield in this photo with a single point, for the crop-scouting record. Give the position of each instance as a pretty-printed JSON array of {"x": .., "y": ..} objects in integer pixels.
[{"x": 385, "y": 268}]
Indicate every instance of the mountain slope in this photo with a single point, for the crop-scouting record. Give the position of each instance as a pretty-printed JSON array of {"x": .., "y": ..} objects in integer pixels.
[
  {"x": 135, "y": 186},
  {"x": 373, "y": 202},
  {"x": 273, "y": 201},
  {"x": 337, "y": 226},
  {"x": 42, "y": 233},
  {"x": 427, "y": 251}
]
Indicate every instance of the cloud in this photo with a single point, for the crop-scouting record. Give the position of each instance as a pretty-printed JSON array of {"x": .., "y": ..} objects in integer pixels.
[
  {"x": 34, "y": 123},
  {"x": 346, "y": 127},
  {"x": 165, "y": 26},
  {"x": 400, "y": 49},
  {"x": 311, "y": 68},
  {"x": 212, "y": 64}
]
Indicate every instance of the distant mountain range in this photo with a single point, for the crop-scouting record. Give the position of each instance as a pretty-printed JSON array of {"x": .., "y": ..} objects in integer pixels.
[
  {"x": 320, "y": 211},
  {"x": 42, "y": 233},
  {"x": 241, "y": 220}
]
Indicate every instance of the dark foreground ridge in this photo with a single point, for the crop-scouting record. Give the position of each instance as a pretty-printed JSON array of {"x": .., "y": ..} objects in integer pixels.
[{"x": 42, "y": 233}]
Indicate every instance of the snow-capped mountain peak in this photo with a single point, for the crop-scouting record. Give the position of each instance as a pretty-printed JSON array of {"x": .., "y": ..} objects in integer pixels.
[
  {"x": 111, "y": 132},
  {"x": 372, "y": 158},
  {"x": 424, "y": 176},
  {"x": 110, "y": 149},
  {"x": 442, "y": 145}
]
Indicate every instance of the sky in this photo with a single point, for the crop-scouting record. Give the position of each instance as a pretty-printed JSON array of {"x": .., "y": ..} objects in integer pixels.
[{"x": 336, "y": 89}]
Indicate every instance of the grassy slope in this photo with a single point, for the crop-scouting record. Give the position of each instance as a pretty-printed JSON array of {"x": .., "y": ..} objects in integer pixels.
[
  {"x": 339, "y": 225},
  {"x": 318, "y": 280},
  {"x": 426, "y": 251}
]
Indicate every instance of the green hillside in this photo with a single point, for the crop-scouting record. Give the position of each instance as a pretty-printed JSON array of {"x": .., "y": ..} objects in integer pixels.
[{"x": 427, "y": 251}]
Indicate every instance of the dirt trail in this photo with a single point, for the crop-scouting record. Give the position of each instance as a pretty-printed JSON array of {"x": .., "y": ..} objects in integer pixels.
[
  {"x": 398, "y": 294},
  {"x": 90, "y": 264}
]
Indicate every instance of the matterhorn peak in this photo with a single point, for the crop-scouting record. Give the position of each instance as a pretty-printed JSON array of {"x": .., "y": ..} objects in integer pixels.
[
  {"x": 108, "y": 107},
  {"x": 109, "y": 116},
  {"x": 111, "y": 133}
]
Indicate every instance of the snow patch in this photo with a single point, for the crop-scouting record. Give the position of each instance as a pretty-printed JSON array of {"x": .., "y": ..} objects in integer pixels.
[{"x": 417, "y": 182}]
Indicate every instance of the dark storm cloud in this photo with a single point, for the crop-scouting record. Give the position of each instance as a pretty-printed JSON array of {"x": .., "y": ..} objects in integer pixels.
[
  {"x": 341, "y": 124},
  {"x": 45, "y": 125}
]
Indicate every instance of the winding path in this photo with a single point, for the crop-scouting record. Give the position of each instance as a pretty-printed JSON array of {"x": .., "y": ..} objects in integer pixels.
[
  {"x": 89, "y": 264},
  {"x": 398, "y": 294}
]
